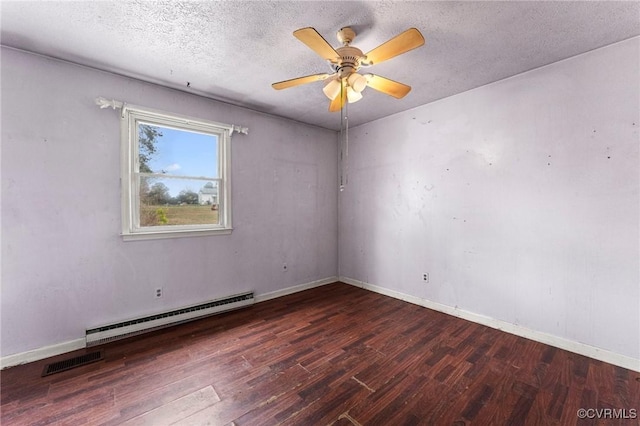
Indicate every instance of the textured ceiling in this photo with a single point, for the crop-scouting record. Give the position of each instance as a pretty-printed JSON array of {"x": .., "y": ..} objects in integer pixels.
[{"x": 234, "y": 50}]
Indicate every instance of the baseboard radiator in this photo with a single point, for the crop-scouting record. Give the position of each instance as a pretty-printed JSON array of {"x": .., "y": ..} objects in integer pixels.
[{"x": 121, "y": 330}]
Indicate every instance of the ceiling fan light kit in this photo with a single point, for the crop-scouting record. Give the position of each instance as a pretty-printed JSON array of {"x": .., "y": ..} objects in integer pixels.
[
  {"x": 353, "y": 95},
  {"x": 345, "y": 84},
  {"x": 332, "y": 89},
  {"x": 357, "y": 82}
]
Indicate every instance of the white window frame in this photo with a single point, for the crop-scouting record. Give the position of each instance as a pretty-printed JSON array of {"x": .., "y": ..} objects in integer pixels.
[{"x": 131, "y": 229}]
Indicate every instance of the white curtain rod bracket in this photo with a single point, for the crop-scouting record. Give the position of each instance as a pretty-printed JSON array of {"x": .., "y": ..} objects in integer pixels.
[
  {"x": 239, "y": 129},
  {"x": 106, "y": 103}
]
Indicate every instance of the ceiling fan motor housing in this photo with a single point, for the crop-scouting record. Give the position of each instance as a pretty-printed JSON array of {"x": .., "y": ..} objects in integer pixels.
[{"x": 349, "y": 61}]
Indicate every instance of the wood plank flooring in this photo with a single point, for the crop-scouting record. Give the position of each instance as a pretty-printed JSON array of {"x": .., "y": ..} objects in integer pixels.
[{"x": 333, "y": 355}]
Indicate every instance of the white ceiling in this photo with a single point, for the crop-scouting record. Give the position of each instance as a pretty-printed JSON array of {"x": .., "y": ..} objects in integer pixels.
[{"x": 234, "y": 50}]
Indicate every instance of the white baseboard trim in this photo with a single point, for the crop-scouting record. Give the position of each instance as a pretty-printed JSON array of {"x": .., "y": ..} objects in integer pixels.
[
  {"x": 290, "y": 290},
  {"x": 538, "y": 336},
  {"x": 72, "y": 345},
  {"x": 41, "y": 353}
]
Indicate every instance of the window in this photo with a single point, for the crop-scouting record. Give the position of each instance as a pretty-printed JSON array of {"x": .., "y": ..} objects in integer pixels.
[{"x": 175, "y": 176}]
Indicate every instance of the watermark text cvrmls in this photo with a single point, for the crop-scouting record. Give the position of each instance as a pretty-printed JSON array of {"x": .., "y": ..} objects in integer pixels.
[{"x": 607, "y": 413}]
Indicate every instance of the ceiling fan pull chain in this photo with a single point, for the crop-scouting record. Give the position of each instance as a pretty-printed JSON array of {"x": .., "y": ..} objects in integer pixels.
[
  {"x": 344, "y": 145},
  {"x": 346, "y": 129},
  {"x": 345, "y": 164},
  {"x": 341, "y": 165}
]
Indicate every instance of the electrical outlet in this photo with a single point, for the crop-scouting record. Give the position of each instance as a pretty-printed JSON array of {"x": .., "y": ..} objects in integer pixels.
[
  {"x": 425, "y": 277},
  {"x": 158, "y": 292}
]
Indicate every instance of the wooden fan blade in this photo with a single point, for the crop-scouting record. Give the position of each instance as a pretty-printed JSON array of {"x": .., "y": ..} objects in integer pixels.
[
  {"x": 317, "y": 43},
  {"x": 401, "y": 43},
  {"x": 389, "y": 87},
  {"x": 300, "y": 80},
  {"x": 340, "y": 100}
]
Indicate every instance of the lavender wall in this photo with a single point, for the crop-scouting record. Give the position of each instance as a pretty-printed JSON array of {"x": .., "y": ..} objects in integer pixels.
[
  {"x": 519, "y": 198},
  {"x": 64, "y": 265}
]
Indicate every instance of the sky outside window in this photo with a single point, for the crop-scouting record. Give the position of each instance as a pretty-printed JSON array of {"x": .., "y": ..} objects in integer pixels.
[{"x": 184, "y": 153}]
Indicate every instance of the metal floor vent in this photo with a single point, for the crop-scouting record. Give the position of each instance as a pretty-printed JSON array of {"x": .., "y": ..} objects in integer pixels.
[
  {"x": 68, "y": 364},
  {"x": 121, "y": 330}
]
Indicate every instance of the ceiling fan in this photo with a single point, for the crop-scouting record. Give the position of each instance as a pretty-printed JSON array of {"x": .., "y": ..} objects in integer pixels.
[{"x": 345, "y": 84}]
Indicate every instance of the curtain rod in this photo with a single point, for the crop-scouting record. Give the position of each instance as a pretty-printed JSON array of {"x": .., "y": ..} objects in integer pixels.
[{"x": 106, "y": 103}]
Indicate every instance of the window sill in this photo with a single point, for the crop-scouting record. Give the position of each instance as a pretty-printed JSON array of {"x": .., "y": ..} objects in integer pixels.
[{"x": 157, "y": 235}]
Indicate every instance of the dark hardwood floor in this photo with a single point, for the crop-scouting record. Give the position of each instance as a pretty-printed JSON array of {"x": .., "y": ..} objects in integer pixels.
[{"x": 336, "y": 355}]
